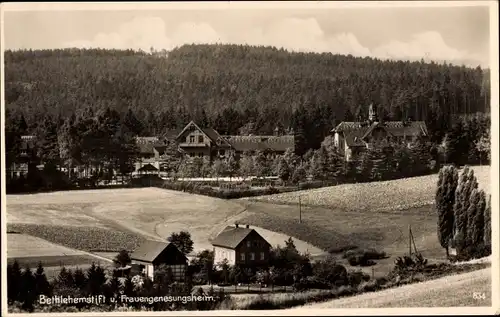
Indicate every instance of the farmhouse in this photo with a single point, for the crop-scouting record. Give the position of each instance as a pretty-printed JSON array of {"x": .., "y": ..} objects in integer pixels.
[
  {"x": 207, "y": 143},
  {"x": 151, "y": 254},
  {"x": 351, "y": 138},
  {"x": 242, "y": 246}
]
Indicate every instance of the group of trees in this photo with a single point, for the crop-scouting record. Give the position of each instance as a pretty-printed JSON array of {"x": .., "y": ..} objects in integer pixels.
[
  {"x": 287, "y": 267},
  {"x": 228, "y": 86},
  {"x": 25, "y": 287},
  {"x": 464, "y": 213},
  {"x": 88, "y": 114}
]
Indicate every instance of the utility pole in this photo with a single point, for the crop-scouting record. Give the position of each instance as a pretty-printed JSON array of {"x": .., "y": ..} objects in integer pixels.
[
  {"x": 409, "y": 238},
  {"x": 300, "y": 210}
]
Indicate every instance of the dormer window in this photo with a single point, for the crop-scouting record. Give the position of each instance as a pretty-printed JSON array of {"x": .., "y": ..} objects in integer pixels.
[
  {"x": 200, "y": 139},
  {"x": 191, "y": 139}
]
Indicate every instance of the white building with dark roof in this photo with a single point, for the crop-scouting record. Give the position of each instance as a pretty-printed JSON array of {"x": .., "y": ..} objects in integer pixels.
[{"x": 351, "y": 138}]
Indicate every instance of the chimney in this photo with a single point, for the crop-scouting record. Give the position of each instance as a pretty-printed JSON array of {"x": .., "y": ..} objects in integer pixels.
[
  {"x": 236, "y": 225},
  {"x": 248, "y": 226}
]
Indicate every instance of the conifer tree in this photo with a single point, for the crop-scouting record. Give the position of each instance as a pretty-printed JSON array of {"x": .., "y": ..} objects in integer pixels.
[
  {"x": 472, "y": 212},
  {"x": 445, "y": 196},
  {"x": 477, "y": 234},
  {"x": 42, "y": 284},
  {"x": 14, "y": 274},
  {"x": 487, "y": 222},
  {"x": 28, "y": 289}
]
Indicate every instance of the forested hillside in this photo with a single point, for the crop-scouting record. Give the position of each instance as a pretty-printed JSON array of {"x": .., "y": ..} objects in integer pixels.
[{"x": 227, "y": 86}]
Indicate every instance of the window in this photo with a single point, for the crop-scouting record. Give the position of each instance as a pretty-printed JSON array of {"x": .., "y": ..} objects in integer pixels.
[
  {"x": 222, "y": 152},
  {"x": 191, "y": 154},
  {"x": 249, "y": 244},
  {"x": 242, "y": 256},
  {"x": 191, "y": 139},
  {"x": 252, "y": 256},
  {"x": 200, "y": 154},
  {"x": 262, "y": 255},
  {"x": 200, "y": 139}
]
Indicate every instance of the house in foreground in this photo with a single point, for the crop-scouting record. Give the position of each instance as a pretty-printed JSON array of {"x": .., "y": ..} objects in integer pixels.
[
  {"x": 151, "y": 254},
  {"x": 352, "y": 138},
  {"x": 241, "y": 246}
]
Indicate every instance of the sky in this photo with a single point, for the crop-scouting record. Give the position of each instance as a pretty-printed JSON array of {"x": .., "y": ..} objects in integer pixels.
[{"x": 453, "y": 34}]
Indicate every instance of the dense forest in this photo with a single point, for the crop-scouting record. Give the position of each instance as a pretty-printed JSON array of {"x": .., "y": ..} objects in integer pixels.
[{"x": 228, "y": 86}]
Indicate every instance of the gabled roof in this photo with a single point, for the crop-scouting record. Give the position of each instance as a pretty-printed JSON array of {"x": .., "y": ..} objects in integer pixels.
[
  {"x": 207, "y": 132},
  {"x": 150, "y": 250},
  {"x": 231, "y": 237},
  {"x": 254, "y": 143},
  {"x": 355, "y": 132}
]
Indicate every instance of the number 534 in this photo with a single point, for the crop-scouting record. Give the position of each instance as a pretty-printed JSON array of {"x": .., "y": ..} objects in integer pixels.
[{"x": 478, "y": 295}]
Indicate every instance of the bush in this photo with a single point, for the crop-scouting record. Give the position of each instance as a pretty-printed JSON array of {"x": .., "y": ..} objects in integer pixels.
[
  {"x": 473, "y": 252},
  {"x": 357, "y": 277},
  {"x": 311, "y": 282},
  {"x": 342, "y": 249},
  {"x": 361, "y": 257}
]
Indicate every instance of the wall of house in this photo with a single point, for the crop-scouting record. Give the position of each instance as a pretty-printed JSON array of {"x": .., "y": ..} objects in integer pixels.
[
  {"x": 223, "y": 253},
  {"x": 194, "y": 137},
  {"x": 203, "y": 152},
  {"x": 253, "y": 251}
]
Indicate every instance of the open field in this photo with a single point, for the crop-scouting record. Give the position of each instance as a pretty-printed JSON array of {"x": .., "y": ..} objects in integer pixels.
[
  {"x": 449, "y": 291},
  {"x": 19, "y": 245},
  {"x": 29, "y": 251},
  {"x": 110, "y": 220},
  {"x": 371, "y": 215},
  {"x": 394, "y": 195},
  {"x": 329, "y": 229}
]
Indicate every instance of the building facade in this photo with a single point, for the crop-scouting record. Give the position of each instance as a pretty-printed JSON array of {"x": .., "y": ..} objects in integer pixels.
[
  {"x": 207, "y": 143},
  {"x": 241, "y": 246},
  {"x": 151, "y": 254},
  {"x": 352, "y": 138}
]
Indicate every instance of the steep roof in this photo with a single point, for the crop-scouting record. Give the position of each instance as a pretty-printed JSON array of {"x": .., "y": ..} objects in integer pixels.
[
  {"x": 147, "y": 144},
  {"x": 231, "y": 237},
  {"x": 150, "y": 250},
  {"x": 261, "y": 142},
  {"x": 354, "y": 132}
]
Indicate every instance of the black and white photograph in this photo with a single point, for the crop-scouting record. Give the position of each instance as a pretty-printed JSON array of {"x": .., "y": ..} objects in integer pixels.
[{"x": 290, "y": 158}]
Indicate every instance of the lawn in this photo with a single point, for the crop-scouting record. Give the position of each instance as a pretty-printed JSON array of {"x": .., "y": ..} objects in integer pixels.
[
  {"x": 394, "y": 195},
  {"x": 111, "y": 220},
  {"x": 450, "y": 291}
]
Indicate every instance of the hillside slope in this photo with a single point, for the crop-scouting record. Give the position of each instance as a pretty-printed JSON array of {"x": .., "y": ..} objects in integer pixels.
[
  {"x": 393, "y": 195},
  {"x": 450, "y": 291},
  {"x": 228, "y": 86}
]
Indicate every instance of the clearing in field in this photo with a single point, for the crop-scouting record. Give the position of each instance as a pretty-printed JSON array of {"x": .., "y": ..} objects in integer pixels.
[
  {"x": 109, "y": 220},
  {"x": 450, "y": 291}
]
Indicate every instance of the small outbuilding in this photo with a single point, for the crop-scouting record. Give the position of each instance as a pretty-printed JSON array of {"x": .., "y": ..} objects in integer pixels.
[{"x": 151, "y": 254}]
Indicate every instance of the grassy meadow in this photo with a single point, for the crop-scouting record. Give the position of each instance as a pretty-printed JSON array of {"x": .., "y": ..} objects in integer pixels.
[
  {"x": 449, "y": 291},
  {"x": 393, "y": 195},
  {"x": 111, "y": 220}
]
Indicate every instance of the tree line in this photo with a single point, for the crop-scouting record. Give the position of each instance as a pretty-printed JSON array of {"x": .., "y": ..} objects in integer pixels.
[
  {"x": 228, "y": 86},
  {"x": 464, "y": 211}
]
